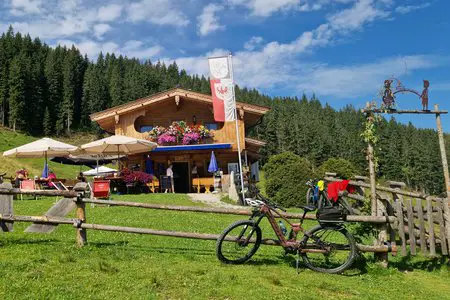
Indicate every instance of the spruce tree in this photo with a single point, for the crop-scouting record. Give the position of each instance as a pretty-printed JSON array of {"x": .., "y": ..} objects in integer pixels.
[{"x": 17, "y": 92}]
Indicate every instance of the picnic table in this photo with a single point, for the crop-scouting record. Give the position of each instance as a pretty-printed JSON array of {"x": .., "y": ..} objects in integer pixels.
[{"x": 203, "y": 182}]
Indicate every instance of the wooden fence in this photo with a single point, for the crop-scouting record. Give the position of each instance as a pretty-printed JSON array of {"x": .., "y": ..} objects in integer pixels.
[
  {"x": 408, "y": 219},
  {"x": 415, "y": 219},
  {"x": 79, "y": 197}
]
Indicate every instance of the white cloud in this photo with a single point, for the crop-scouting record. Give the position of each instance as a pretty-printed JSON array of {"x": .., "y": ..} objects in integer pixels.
[
  {"x": 161, "y": 12},
  {"x": 364, "y": 11},
  {"x": 264, "y": 8},
  {"x": 130, "y": 48},
  {"x": 404, "y": 9},
  {"x": 137, "y": 49},
  {"x": 253, "y": 43},
  {"x": 208, "y": 22},
  {"x": 109, "y": 12},
  {"x": 89, "y": 47},
  {"x": 24, "y": 7},
  {"x": 101, "y": 29},
  {"x": 69, "y": 6},
  {"x": 49, "y": 29}
]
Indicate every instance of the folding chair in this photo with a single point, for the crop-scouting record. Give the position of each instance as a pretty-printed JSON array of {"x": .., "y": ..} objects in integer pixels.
[
  {"x": 28, "y": 185},
  {"x": 59, "y": 186}
]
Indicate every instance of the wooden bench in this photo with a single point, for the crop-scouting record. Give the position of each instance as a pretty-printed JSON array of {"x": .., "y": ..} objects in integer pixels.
[
  {"x": 153, "y": 185},
  {"x": 206, "y": 182}
]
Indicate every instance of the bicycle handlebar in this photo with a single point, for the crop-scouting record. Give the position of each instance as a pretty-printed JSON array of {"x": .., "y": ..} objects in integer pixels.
[{"x": 270, "y": 202}]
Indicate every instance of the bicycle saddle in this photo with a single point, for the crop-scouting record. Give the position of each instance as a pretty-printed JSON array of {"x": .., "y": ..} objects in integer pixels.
[{"x": 307, "y": 208}]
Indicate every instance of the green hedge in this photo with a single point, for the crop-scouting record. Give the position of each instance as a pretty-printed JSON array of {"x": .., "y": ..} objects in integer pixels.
[
  {"x": 286, "y": 175},
  {"x": 342, "y": 167}
]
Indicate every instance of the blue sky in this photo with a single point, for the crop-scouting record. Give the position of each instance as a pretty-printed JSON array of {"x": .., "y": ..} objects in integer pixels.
[{"x": 341, "y": 50}]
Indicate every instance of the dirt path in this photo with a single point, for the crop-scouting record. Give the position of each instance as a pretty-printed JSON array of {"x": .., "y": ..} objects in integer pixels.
[{"x": 212, "y": 200}]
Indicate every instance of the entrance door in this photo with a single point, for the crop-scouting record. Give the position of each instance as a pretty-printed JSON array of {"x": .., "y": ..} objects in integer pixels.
[{"x": 181, "y": 177}]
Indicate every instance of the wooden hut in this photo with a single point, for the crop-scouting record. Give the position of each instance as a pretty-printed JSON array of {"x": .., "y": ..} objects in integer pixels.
[{"x": 137, "y": 118}]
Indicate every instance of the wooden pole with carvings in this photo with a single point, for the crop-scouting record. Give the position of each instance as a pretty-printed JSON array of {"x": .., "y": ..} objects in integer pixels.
[
  {"x": 446, "y": 173},
  {"x": 372, "y": 176}
]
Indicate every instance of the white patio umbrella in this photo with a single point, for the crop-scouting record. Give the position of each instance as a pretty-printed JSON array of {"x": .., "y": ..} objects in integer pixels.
[
  {"x": 45, "y": 147},
  {"x": 99, "y": 170},
  {"x": 118, "y": 144}
]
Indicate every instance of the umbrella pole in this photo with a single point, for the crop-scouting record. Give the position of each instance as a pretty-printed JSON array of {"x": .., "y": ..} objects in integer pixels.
[{"x": 46, "y": 164}]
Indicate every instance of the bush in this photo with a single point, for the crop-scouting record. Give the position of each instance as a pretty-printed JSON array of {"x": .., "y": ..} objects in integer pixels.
[
  {"x": 342, "y": 167},
  {"x": 286, "y": 175}
]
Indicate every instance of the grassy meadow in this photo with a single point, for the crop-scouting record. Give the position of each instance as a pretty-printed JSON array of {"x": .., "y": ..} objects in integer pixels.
[{"x": 130, "y": 266}]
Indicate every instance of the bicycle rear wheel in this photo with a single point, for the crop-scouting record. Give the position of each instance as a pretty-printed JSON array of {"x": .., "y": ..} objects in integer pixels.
[
  {"x": 335, "y": 249},
  {"x": 238, "y": 242}
]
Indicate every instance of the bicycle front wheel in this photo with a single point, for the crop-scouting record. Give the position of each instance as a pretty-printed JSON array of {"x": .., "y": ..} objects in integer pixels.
[
  {"x": 238, "y": 242},
  {"x": 328, "y": 249}
]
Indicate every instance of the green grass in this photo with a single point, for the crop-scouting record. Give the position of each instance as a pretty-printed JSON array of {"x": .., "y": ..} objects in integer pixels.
[{"x": 129, "y": 266}]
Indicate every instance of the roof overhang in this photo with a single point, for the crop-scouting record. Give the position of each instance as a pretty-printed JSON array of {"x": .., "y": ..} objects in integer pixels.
[{"x": 107, "y": 116}]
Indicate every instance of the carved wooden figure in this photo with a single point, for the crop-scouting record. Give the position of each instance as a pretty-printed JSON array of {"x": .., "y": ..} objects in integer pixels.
[
  {"x": 424, "y": 95},
  {"x": 388, "y": 96}
]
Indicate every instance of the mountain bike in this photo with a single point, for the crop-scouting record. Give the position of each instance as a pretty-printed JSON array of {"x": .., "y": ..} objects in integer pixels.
[{"x": 327, "y": 247}]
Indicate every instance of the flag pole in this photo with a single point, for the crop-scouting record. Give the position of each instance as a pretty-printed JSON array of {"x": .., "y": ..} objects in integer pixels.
[{"x": 237, "y": 129}]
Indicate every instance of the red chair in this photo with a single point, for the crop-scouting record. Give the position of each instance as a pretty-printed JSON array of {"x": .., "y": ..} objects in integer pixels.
[
  {"x": 27, "y": 185},
  {"x": 101, "y": 189}
]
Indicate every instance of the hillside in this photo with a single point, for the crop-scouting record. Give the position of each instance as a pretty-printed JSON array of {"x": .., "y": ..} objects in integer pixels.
[{"x": 10, "y": 139}]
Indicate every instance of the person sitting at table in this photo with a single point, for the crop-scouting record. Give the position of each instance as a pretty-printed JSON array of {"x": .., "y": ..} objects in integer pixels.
[
  {"x": 81, "y": 177},
  {"x": 51, "y": 176},
  {"x": 22, "y": 174}
]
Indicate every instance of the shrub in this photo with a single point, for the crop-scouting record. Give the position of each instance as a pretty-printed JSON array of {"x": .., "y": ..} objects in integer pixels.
[
  {"x": 286, "y": 175},
  {"x": 342, "y": 167}
]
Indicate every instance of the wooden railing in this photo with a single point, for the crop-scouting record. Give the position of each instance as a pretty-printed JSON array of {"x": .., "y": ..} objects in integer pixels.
[
  {"x": 415, "y": 219},
  {"x": 80, "y": 196}
]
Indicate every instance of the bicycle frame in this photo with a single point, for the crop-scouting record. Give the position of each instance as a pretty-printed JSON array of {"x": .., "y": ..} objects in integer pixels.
[{"x": 291, "y": 244}]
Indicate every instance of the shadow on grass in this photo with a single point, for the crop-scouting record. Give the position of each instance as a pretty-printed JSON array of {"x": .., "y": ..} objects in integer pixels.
[
  {"x": 359, "y": 266},
  {"x": 27, "y": 241},
  {"x": 164, "y": 250},
  {"x": 411, "y": 263}
]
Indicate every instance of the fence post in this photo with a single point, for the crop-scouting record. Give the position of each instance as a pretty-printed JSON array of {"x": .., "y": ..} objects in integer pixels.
[
  {"x": 398, "y": 204},
  {"x": 6, "y": 207},
  {"x": 81, "y": 214},
  {"x": 382, "y": 237},
  {"x": 446, "y": 174}
]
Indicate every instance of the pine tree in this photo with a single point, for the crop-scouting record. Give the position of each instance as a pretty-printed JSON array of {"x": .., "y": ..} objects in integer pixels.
[
  {"x": 116, "y": 84},
  {"x": 17, "y": 92},
  {"x": 53, "y": 73},
  {"x": 47, "y": 123}
]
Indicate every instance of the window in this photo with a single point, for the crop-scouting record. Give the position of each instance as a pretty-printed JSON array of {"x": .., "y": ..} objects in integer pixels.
[
  {"x": 145, "y": 128},
  {"x": 212, "y": 126}
]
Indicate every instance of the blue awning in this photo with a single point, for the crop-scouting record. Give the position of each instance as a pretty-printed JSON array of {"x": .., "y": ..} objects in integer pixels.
[{"x": 192, "y": 147}]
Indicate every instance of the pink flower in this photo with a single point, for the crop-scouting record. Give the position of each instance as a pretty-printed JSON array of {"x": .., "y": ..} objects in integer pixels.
[
  {"x": 191, "y": 138},
  {"x": 166, "y": 138}
]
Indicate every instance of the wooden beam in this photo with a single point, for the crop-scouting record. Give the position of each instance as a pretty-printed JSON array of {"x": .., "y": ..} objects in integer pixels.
[
  {"x": 14, "y": 191},
  {"x": 214, "y": 237},
  {"x": 403, "y": 111},
  {"x": 241, "y": 212}
]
